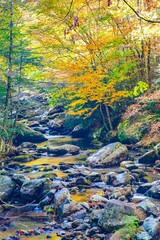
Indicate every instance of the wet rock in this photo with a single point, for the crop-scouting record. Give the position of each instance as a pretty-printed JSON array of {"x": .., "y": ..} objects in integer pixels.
[
  {"x": 79, "y": 131},
  {"x": 40, "y": 129},
  {"x": 92, "y": 231},
  {"x": 154, "y": 191},
  {"x": 148, "y": 158},
  {"x": 19, "y": 179},
  {"x": 34, "y": 124},
  {"x": 114, "y": 215},
  {"x": 57, "y": 151},
  {"x": 72, "y": 149},
  {"x": 110, "y": 155},
  {"x": 157, "y": 149},
  {"x": 70, "y": 208},
  {"x": 144, "y": 187},
  {"x": 57, "y": 109},
  {"x": 56, "y": 125},
  {"x": 143, "y": 235},
  {"x": 61, "y": 196},
  {"x": 28, "y": 145},
  {"x": 83, "y": 227},
  {"x": 29, "y": 135},
  {"x": 152, "y": 227},
  {"x": 7, "y": 187},
  {"x": 94, "y": 177},
  {"x": 97, "y": 198},
  {"x": 115, "y": 179},
  {"x": 148, "y": 207},
  {"x": 81, "y": 181},
  {"x": 34, "y": 189}
]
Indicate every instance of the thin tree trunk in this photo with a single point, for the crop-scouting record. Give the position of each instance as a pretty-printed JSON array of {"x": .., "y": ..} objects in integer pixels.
[
  {"x": 103, "y": 118},
  {"x": 148, "y": 67},
  {"x": 109, "y": 117},
  {"x": 9, "y": 78}
]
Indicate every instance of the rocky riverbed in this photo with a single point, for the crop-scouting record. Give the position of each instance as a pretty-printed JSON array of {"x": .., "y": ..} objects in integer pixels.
[{"x": 60, "y": 187}]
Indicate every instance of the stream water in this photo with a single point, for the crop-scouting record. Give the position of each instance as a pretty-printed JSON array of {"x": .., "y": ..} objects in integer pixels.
[{"x": 40, "y": 166}]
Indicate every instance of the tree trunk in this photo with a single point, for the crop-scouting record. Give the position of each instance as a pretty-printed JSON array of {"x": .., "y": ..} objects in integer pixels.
[
  {"x": 109, "y": 117},
  {"x": 9, "y": 77},
  {"x": 148, "y": 67}
]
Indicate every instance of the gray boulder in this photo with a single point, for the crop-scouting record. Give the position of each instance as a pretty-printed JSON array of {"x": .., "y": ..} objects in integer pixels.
[
  {"x": 61, "y": 196},
  {"x": 114, "y": 215},
  {"x": 110, "y": 155},
  {"x": 148, "y": 207},
  {"x": 34, "y": 189},
  {"x": 116, "y": 179},
  {"x": 57, "y": 151},
  {"x": 152, "y": 227},
  {"x": 7, "y": 187},
  {"x": 154, "y": 191}
]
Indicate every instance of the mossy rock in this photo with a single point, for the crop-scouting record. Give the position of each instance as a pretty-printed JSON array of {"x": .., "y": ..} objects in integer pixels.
[{"x": 133, "y": 130}]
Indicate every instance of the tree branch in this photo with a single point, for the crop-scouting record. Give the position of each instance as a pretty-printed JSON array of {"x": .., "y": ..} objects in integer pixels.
[{"x": 141, "y": 17}]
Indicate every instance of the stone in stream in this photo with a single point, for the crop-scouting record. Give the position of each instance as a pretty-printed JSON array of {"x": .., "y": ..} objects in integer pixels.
[
  {"x": 7, "y": 187},
  {"x": 148, "y": 157},
  {"x": 114, "y": 215},
  {"x": 154, "y": 191},
  {"x": 56, "y": 125},
  {"x": 34, "y": 189},
  {"x": 152, "y": 227},
  {"x": 116, "y": 179},
  {"x": 29, "y": 135},
  {"x": 64, "y": 149},
  {"x": 110, "y": 155},
  {"x": 79, "y": 131},
  {"x": 61, "y": 196},
  {"x": 143, "y": 235},
  {"x": 144, "y": 187},
  {"x": 148, "y": 207},
  {"x": 19, "y": 179}
]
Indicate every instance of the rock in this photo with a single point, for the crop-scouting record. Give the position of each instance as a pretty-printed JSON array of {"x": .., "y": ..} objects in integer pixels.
[
  {"x": 34, "y": 189},
  {"x": 157, "y": 149},
  {"x": 34, "y": 124},
  {"x": 94, "y": 216},
  {"x": 148, "y": 158},
  {"x": 154, "y": 191},
  {"x": 97, "y": 198},
  {"x": 143, "y": 235},
  {"x": 28, "y": 145},
  {"x": 61, "y": 196},
  {"x": 70, "y": 208},
  {"x": 83, "y": 226},
  {"x": 56, "y": 125},
  {"x": 144, "y": 187},
  {"x": 152, "y": 227},
  {"x": 79, "y": 131},
  {"x": 92, "y": 231},
  {"x": 7, "y": 187},
  {"x": 19, "y": 179},
  {"x": 114, "y": 215},
  {"x": 115, "y": 179},
  {"x": 148, "y": 207},
  {"x": 40, "y": 129},
  {"x": 110, "y": 155},
  {"x": 72, "y": 149},
  {"x": 57, "y": 109},
  {"x": 130, "y": 131},
  {"x": 94, "y": 177},
  {"x": 29, "y": 135},
  {"x": 57, "y": 151},
  {"x": 81, "y": 181}
]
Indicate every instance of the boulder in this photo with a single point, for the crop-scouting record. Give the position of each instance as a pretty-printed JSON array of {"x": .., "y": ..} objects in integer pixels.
[
  {"x": 116, "y": 179},
  {"x": 148, "y": 158},
  {"x": 57, "y": 151},
  {"x": 114, "y": 215},
  {"x": 152, "y": 227},
  {"x": 70, "y": 208},
  {"x": 144, "y": 187},
  {"x": 143, "y": 235},
  {"x": 132, "y": 131},
  {"x": 57, "y": 109},
  {"x": 154, "y": 191},
  {"x": 148, "y": 207},
  {"x": 110, "y": 155},
  {"x": 56, "y": 125},
  {"x": 19, "y": 179},
  {"x": 7, "y": 187},
  {"x": 94, "y": 177},
  {"x": 79, "y": 131},
  {"x": 61, "y": 196},
  {"x": 34, "y": 189},
  {"x": 97, "y": 198},
  {"x": 29, "y": 135},
  {"x": 72, "y": 149}
]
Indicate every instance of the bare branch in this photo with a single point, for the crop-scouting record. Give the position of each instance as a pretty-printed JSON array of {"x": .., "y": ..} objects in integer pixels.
[{"x": 141, "y": 17}]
